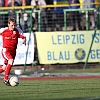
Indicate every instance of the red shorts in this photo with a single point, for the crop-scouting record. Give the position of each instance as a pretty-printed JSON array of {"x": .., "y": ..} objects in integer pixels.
[{"x": 8, "y": 54}]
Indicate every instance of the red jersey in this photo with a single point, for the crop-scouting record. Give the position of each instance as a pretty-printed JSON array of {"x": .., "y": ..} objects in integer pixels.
[{"x": 10, "y": 38}]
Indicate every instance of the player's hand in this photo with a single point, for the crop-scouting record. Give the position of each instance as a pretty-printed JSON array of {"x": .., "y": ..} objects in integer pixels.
[{"x": 24, "y": 41}]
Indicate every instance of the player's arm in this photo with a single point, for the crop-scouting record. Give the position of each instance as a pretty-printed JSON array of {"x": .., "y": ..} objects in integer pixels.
[
  {"x": 21, "y": 35},
  {"x": 23, "y": 38},
  {"x": 19, "y": 30}
]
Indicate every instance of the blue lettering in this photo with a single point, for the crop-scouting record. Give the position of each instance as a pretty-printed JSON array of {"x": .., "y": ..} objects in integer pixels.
[
  {"x": 29, "y": 54},
  {"x": 59, "y": 39},
  {"x": 53, "y": 40},
  {"x": 64, "y": 39},
  {"x": 20, "y": 55},
  {"x": 53, "y": 55},
  {"x": 49, "y": 55},
  {"x": 78, "y": 39},
  {"x": 20, "y": 43},
  {"x": 67, "y": 56},
  {"x": 73, "y": 39},
  {"x": 60, "y": 56},
  {"x": 23, "y": 55},
  {"x": 98, "y": 54},
  {"x": 92, "y": 54},
  {"x": 64, "y": 56},
  {"x": 67, "y": 38},
  {"x": 82, "y": 39},
  {"x": 95, "y": 54},
  {"x": 96, "y": 39}
]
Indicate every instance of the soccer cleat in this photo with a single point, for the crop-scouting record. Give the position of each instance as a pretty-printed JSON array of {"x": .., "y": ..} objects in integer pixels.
[{"x": 6, "y": 82}]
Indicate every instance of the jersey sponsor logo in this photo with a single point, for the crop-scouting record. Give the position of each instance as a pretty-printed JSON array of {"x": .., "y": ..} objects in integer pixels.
[
  {"x": 10, "y": 38},
  {"x": 7, "y": 37}
]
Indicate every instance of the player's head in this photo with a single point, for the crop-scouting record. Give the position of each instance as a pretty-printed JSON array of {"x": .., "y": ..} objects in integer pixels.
[{"x": 11, "y": 23}]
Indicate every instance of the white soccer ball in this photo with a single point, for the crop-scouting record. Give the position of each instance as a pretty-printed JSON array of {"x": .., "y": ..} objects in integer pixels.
[{"x": 14, "y": 81}]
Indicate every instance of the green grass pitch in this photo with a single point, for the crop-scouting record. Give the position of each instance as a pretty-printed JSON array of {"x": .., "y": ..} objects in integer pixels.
[{"x": 86, "y": 89}]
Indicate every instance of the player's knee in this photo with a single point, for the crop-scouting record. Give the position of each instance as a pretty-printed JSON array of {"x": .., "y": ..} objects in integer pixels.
[
  {"x": 4, "y": 67},
  {"x": 10, "y": 61}
]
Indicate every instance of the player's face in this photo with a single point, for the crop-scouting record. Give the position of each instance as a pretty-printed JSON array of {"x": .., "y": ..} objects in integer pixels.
[{"x": 11, "y": 25}]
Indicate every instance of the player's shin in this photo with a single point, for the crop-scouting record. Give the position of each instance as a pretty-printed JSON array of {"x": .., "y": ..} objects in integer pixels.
[{"x": 7, "y": 71}]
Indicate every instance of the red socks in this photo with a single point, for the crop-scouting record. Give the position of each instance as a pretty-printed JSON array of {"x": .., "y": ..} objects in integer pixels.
[
  {"x": 1, "y": 70},
  {"x": 7, "y": 71}
]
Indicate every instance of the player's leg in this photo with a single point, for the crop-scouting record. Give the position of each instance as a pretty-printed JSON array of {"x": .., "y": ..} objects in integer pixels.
[
  {"x": 7, "y": 71},
  {"x": 8, "y": 55},
  {"x": 2, "y": 68},
  {"x": 8, "y": 68},
  {"x": 11, "y": 56}
]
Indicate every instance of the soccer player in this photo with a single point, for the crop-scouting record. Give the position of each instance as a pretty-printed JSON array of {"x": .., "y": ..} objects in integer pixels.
[{"x": 10, "y": 40}]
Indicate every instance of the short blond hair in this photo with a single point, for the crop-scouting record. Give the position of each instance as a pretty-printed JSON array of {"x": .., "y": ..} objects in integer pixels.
[{"x": 11, "y": 20}]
